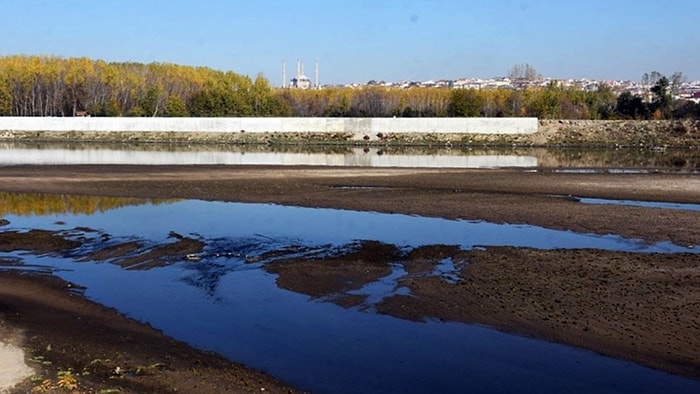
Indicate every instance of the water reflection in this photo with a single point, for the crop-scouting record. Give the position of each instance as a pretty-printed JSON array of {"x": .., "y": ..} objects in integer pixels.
[
  {"x": 28, "y": 204},
  {"x": 228, "y": 302},
  {"x": 253, "y": 228},
  {"x": 198, "y": 155},
  {"x": 387, "y": 156}
]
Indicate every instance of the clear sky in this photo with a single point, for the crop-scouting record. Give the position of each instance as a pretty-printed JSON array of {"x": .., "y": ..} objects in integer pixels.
[{"x": 361, "y": 40}]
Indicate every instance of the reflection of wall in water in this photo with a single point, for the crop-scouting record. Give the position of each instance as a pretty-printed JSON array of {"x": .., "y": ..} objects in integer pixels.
[{"x": 355, "y": 158}]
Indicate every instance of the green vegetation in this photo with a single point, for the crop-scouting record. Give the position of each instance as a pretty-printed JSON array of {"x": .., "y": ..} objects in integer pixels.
[{"x": 54, "y": 86}]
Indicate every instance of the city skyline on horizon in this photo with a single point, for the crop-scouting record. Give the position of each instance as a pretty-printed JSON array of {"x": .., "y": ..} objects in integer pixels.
[
  {"x": 506, "y": 76},
  {"x": 359, "y": 41}
]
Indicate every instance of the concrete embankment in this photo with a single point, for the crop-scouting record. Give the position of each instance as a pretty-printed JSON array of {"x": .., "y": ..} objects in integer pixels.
[
  {"x": 358, "y": 131},
  {"x": 262, "y": 130},
  {"x": 359, "y": 126}
]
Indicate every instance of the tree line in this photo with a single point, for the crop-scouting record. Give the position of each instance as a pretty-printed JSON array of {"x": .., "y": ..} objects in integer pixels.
[
  {"x": 660, "y": 102},
  {"x": 55, "y": 86}
]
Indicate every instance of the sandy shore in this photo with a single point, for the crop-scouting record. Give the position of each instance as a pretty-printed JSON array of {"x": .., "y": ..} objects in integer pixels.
[{"x": 638, "y": 307}]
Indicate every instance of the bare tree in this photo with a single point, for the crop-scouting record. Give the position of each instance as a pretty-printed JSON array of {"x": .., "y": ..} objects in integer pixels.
[
  {"x": 654, "y": 77},
  {"x": 677, "y": 79},
  {"x": 522, "y": 75}
]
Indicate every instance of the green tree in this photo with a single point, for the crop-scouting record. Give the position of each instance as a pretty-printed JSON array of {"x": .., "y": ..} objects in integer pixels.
[
  {"x": 218, "y": 103},
  {"x": 631, "y": 106},
  {"x": 175, "y": 107},
  {"x": 464, "y": 102},
  {"x": 279, "y": 107},
  {"x": 108, "y": 108},
  {"x": 205, "y": 104},
  {"x": 601, "y": 102},
  {"x": 686, "y": 109},
  {"x": 662, "y": 96},
  {"x": 136, "y": 112},
  {"x": 150, "y": 103},
  {"x": 544, "y": 103},
  {"x": 338, "y": 106}
]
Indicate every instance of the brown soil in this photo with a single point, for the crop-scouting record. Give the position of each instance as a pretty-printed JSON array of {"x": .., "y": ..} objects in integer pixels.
[{"x": 639, "y": 307}]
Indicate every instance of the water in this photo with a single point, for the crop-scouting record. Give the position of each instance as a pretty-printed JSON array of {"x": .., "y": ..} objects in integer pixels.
[
  {"x": 231, "y": 306},
  {"x": 349, "y": 157},
  {"x": 562, "y": 160},
  {"x": 282, "y": 225},
  {"x": 645, "y": 204}
]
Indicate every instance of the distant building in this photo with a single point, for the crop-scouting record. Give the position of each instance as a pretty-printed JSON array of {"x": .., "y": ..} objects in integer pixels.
[{"x": 300, "y": 81}]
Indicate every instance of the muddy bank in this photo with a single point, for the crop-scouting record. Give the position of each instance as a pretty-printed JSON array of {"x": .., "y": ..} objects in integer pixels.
[
  {"x": 623, "y": 133},
  {"x": 641, "y": 307},
  {"x": 635, "y": 306},
  {"x": 74, "y": 344},
  {"x": 542, "y": 198}
]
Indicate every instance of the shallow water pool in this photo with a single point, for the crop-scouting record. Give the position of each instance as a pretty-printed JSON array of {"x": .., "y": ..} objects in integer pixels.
[{"x": 227, "y": 303}]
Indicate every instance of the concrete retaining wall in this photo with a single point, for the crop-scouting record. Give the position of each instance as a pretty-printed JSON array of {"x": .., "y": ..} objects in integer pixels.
[{"x": 357, "y": 126}]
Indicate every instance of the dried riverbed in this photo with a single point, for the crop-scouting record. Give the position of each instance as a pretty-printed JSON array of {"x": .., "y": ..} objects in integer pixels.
[{"x": 641, "y": 307}]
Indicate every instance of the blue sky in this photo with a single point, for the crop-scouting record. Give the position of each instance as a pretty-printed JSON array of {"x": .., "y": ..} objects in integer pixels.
[{"x": 360, "y": 40}]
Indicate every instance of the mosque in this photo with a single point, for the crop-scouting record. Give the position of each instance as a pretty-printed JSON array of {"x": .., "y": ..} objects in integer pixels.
[{"x": 300, "y": 81}]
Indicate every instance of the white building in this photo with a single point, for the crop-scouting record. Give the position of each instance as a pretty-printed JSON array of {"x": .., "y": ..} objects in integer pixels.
[{"x": 301, "y": 81}]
